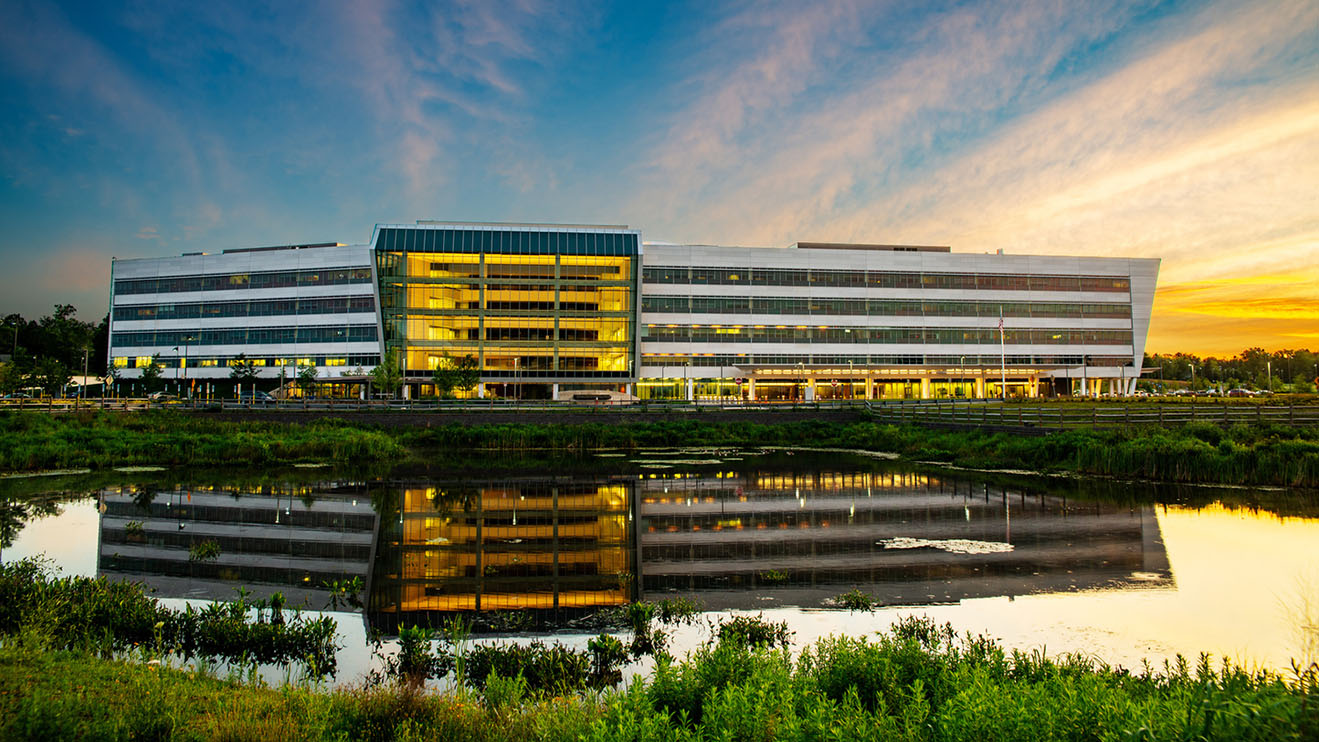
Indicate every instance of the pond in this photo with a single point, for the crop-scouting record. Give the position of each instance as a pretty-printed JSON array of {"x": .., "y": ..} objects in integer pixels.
[{"x": 1122, "y": 571}]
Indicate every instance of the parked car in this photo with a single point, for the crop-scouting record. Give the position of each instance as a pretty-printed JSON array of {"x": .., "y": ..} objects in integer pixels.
[
  {"x": 1240, "y": 393},
  {"x": 17, "y": 395},
  {"x": 161, "y": 397},
  {"x": 256, "y": 398}
]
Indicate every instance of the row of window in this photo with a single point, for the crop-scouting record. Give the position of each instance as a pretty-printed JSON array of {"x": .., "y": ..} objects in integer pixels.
[
  {"x": 815, "y": 359},
  {"x": 507, "y": 242},
  {"x": 880, "y": 279},
  {"x": 473, "y": 308},
  {"x": 882, "y": 335},
  {"x": 269, "y": 308},
  {"x": 246, "y": 336},
  {"x": 289, "y": 364},
  {"x": 878, "y": 307},
  {"x": 229, "y": 281}
]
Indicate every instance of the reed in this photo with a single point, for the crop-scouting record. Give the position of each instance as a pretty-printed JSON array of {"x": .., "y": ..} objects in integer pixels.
[{"x": 916, "y": 681}]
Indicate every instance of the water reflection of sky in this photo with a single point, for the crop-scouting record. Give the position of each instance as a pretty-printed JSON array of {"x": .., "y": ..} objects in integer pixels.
[{"x": 1235, "y": 573}]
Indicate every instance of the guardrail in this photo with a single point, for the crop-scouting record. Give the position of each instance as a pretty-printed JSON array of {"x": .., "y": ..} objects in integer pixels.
[
  {"x": 967, "y": 413},
  {"x": 1106, "y": 414}
]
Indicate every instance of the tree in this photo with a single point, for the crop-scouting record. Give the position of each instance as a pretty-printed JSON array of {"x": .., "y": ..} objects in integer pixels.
[
  {"x": 462, "y": 374},
  {"x": 467, "y": 373},
  {"x": 307, "y": 380},
  {"x": 444, "y": 377},
  {"x": 242, "y": 370},
  {"x": 387, "y": 375},
  {"x": 151, "y": 372},
  {"x": 52, "y": 376}
]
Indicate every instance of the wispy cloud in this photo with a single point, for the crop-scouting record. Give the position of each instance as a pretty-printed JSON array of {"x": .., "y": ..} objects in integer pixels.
[{"x": 1196, "y": 140}]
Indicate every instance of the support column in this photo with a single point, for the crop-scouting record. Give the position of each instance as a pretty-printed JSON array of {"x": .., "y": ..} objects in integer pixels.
[
  {"x": 751, "y": 390},
  {"x": 925, "y": 387},
  {"x": 810, "y": 390},
  {"x": 687, "y": 394},
  {"x": 870, "y": 387},
  {"x": 555, "y": 393},
  {"x": 980, "y": 387},
  {"x": 480, "y": 390}
]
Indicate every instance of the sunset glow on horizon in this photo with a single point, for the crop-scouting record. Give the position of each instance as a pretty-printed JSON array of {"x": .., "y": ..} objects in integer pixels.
[{"x": 1186, "y": 131}]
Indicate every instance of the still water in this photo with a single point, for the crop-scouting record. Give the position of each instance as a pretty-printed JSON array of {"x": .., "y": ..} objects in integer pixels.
[{"x": 1125, "y": 572}]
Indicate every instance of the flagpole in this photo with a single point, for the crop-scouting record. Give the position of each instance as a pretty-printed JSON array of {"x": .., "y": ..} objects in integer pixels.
[{"x": 1002, "y": 356}]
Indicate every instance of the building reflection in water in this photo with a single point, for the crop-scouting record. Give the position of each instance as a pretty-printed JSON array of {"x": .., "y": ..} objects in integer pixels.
[
  {"x": 563, "y": 546},
  {"x": 560, "y": 546},
  {"x": 908, "y": 539},
  {"x": 293, "y": 539}
]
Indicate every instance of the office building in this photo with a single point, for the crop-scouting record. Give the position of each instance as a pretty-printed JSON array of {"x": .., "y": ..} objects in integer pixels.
[
  {"x": 281, "y": 309},
  {"x": 544, "y": 309}
]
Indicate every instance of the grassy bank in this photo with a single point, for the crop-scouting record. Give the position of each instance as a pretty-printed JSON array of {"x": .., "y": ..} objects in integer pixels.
[
  {"x": 918, "y": 682},
  {"x": 1266, "y": 454},
  {"x": 32, "y": 441},
  {"x": 83, "y": 658}
]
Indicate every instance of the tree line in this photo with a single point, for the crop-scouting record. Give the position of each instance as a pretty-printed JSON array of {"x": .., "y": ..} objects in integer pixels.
[
  {"x": 47, "y": 353},
  {"x": 1280, "y": 370}
]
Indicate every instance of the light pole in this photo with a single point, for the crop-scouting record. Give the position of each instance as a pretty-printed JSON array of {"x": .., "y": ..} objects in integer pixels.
[
  {"x": 1269, "y": 366},
  {"x": 186, "y": 340},
  {"x": 83, "y": 382}
]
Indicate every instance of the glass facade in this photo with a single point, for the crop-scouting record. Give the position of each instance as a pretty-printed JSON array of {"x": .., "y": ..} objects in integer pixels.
[
  {"x": 265, "y": 308},
  {"x": 881, "y": 279},
  {"x": 234, "y": 281},
  {"x": 532, "y": 305},
  {"x": 725, "y": 305},
  {"x": 246, "y": 336},
  {"x": 879, "y": 335}
]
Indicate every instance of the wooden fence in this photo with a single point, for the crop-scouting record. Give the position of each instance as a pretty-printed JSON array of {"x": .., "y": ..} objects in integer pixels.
[{"x": 1063, "y": 416}]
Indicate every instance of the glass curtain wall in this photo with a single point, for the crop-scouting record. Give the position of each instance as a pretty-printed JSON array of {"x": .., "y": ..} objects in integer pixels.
[{"x": 533, "y": 307}]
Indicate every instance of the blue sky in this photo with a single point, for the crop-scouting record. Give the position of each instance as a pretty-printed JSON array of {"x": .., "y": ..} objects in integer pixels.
[{"x": 1182, "y": 130}]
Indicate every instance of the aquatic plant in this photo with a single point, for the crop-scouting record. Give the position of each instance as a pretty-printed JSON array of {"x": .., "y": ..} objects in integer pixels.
[
  {"x": 105, "y": 616},
  {"x": 855, "y": 600},
  {"x": 207, "y": 550},
  {"x": 754, "y": 631}
]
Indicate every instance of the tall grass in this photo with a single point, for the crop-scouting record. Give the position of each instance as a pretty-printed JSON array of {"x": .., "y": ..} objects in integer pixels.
[
  {"x": 918, "y": 681},
  {"x": 107, "y": 617},
  {"x": 30, "y": 441},
  {"x": 1197, "y": 453}
]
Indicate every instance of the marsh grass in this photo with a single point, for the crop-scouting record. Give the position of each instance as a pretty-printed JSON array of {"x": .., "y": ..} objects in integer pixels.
[
  {"x": 34, "y": 441},
  {"x": 108, "y": 618},
  {"x": 1267, "y": 454},
  {"x": 917, "y": 681}
]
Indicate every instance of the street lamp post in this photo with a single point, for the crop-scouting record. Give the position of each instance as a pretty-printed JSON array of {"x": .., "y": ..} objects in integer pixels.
[{"x": 83, "y": 382}]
